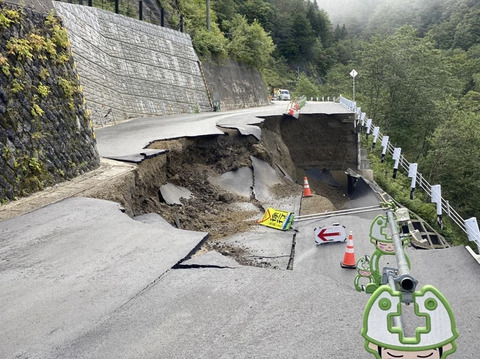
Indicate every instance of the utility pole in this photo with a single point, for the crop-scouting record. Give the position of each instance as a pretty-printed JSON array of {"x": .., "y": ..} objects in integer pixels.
[{"x": 208, "y": 15}]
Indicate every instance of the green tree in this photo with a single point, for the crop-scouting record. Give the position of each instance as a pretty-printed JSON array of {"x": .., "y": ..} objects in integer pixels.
[
  {"x": 454, "y": 159},
  {"x": 305, "y": 87},
  {"x": 405, "y": 80},
  {"x": 467, "y": 31},
  {"x": 258, "y": 10},
  {"x": 225, "y": 10},
  {"x": 303, "y": 37},
  {"x": 320, "y": 23},
  {"x": 249, "y": 44},
  {"x": 277, "y": 74},
  {"x": 206, "y": 43},
  {"x": 337, "y": 82}
]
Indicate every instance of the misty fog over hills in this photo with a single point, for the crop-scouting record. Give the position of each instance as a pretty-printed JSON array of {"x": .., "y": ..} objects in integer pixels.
[{"x": 385, "y": 15}]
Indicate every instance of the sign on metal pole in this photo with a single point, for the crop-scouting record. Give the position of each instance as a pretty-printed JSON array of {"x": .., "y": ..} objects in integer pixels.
[
  {"x": 354, "y": 74},
  {"x": 412, "y": 173},
  {"x": 437, "y": 198},
  {"x": 436, "y": 193},
  {"x": 384, "y": 145},
  {"x": 397, "y": 151}
]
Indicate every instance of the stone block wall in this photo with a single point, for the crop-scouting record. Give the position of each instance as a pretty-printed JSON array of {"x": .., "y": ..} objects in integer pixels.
[
  {"x": 45, "y": 132},
  {"x": 132, "y": 67}
]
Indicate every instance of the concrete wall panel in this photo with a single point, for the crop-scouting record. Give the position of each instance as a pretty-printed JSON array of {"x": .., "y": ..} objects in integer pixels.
[{"x": 132, "y": 67}]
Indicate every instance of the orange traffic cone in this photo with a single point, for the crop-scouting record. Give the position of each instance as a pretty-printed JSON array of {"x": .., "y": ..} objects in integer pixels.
[
  {"x": 306, "y": 188},
  {"x": 349, "y": 258}
]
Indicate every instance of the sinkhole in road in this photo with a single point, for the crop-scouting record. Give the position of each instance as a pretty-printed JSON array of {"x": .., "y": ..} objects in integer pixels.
[{"x": 293, "y": 147}]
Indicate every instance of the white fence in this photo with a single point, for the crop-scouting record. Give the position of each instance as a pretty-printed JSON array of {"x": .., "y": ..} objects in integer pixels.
[{"x": 469, "y": 226}]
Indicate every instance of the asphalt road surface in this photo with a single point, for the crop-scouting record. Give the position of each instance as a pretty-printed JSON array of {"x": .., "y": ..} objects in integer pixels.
[{"x": 81, "y": 279}]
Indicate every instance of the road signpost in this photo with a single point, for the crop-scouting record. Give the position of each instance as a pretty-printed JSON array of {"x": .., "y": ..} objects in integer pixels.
[
  {"x": 354, "y": 74},
  {"x": 369, "y": 127}
]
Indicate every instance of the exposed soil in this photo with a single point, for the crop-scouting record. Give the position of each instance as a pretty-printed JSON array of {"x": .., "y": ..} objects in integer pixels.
[{"x": 190, "y": 163}]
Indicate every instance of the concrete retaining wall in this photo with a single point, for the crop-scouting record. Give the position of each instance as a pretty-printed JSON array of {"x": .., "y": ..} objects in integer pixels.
[
  {"x": 235, "y": 85},
  {"x": 132, "y": 67}
]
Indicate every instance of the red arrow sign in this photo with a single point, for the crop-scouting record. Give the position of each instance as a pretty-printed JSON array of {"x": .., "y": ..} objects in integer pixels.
[{"x": 330, "y": 234}]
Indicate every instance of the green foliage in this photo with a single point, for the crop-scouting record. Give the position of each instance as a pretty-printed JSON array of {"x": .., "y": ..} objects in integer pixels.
[
  {"x": 17, "y": 71},
  {"x": 399, "y": 189},
  {"x": 277, "y": 74},
  {"x": 402, "y": 76},
  {"x": 249, "y": 44},
  {"x": 63, "y": 57},
  {"x": 4, "y": 65},
  {"x": 454, "y": 159},
  {"x": 16, "y": 86},
  {"x": 68, "y": 88},
  {"x": 305, "y": 87},
  {"x": 21, "y": 48},
  {"x": 8, "y": 17},
  {"x": 36, "y": 110},
  {"x": 41, "y": 44},
  {"x": 337, "y": 81},
  {"x": 43, "y": 90},
  {"x": 209, "y": 44},
  {"x": 59, "y": 33},
  {"x": 44, "y": 74}
]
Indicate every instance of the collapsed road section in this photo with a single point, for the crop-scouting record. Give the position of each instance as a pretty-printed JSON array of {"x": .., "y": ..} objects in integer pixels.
[{"x": 222, "y": 183}]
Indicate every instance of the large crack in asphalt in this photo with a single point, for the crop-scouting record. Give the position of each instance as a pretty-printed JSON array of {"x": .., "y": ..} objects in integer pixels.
[{"x": 196, "y": 165}]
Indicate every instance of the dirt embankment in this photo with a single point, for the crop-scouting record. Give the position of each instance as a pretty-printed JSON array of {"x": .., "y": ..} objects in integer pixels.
[{"x": 190, "y": 163}]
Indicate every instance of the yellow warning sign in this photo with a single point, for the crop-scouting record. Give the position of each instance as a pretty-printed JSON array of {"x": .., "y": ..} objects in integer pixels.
[{"x": 277, "y": 219}]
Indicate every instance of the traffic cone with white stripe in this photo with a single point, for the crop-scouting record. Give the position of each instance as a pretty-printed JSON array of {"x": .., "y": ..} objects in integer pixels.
[
  {"x": 349, "y": 257},
  {"x": 306, "y": 188}
]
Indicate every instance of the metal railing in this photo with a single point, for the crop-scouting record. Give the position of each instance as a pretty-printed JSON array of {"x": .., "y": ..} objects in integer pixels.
[
  {"x": 403, "y": 163},
  {"x": 144, "y": 10}
]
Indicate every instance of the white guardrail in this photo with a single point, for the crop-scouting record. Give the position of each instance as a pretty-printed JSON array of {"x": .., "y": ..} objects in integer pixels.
[{"x": 469, "y": 226}]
